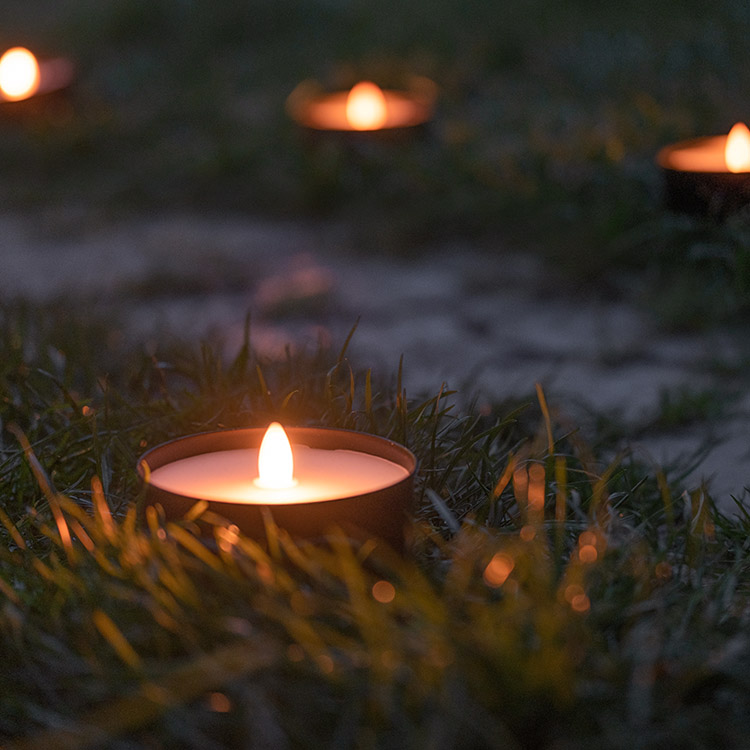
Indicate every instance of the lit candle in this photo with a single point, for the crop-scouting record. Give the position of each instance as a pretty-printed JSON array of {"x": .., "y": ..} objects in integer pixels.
[
  {"x": 19, "y": 74},
  {"x": 274, "y": 473},
  {"x": 323, "y": 478},
  {"x": 365, "y": 107},
  {"x": 708, "y": 175},
  {"x": 23, "y": 76}
]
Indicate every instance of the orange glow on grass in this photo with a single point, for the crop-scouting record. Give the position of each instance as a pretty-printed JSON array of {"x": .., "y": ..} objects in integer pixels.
[
  {"x": 383, "y": 592},
  {"x": 587, "y": 537},
  {"x": 587, "y": 553},
  {"x": 498, "y": 569},
  {"x": 366, "y": 108},
  {"x": 572, "y": 590},
  {"x": 19, "y": 74},
  {"x": 737, "y": 149},
  {"x": 536, "y": 487},
  {"x": 576, "y": 597},
  {"x": 521, "y": 484},
  {"x": 325, "y": 663},
  {"x": 219, "y": 702},
  {"x": 527, "y": 533},
  {"x": 580, "y": 603}
]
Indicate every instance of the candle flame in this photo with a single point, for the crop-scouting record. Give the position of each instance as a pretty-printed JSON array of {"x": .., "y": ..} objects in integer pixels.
[
  {"x": 365, "y": 107},
  {"x": 275, "y": 460},
  {"x": 19, "y": 74},
  {"x": 737, "y": 150}
]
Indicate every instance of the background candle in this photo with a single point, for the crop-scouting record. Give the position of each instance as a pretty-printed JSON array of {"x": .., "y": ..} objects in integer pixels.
[
  {"x": 708, "y": 175},
  {"x": 365, "y": 108},
  {"x": 24, "y": 78}
]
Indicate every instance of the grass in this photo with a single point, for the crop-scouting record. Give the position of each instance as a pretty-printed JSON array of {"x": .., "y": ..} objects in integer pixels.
[
  {"x": 550, "y": 600},
  {"x": 553, "y": 599},
  {"x": 550, "y": 115}
]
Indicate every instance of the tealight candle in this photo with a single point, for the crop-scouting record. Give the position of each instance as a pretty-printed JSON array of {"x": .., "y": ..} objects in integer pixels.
[
  {"x": 323, "y": 478},
  {"x": 23, "y": 76},
  {"x": 364, "y": 108},
  {"x": 708, "y": 175}
]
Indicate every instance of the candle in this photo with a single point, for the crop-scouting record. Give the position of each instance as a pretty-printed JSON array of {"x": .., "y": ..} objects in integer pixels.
[
  {"x": 19, "y": 74},
  {"x": 318, "y": 475},
  {"x": 709, "y": 175},
  {"x": 364, "y": 108},
  {"x": 23, "y": 76},
  {"x": 323, "y": 478}
]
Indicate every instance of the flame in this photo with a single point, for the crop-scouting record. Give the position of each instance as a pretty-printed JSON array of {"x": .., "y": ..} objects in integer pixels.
[
  {"x": 365, "y": 107},
  {"x": 737, "y": 150},
  {"x": 19, "y": 74},
  {"x": 275, "y": 460}
]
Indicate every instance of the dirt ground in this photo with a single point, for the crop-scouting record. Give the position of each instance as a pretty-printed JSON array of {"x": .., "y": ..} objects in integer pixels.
[{"x": 490, "y": 324}]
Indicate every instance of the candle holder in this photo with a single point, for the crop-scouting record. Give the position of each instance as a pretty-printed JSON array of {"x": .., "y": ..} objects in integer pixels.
[
  {"x": 698, "y": 180},
  {"x": 382, "y": 514},
  {"x": 364, "y": 112}
]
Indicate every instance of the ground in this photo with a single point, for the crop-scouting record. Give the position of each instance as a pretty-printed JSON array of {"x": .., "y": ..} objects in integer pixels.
[
  {"x": 489, "y": 321},
  {"x": 559, "y": 594}
]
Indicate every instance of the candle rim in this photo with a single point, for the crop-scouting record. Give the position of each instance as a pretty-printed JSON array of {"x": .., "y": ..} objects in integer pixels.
[
  {"x": 421, "y": 95},
  {"x": 664, "y": 153},
  {"x": 422, "y": 111},
  {"x": 379, "y": 475},
  {"x": 168, "y": 452},
  {"x": 55, "y": 74}
]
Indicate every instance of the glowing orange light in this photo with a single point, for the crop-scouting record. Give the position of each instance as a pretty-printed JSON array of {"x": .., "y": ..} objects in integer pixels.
[
  {"x": 498, "y": 569},
  {"x": 384, "y": 592},
  {"x": 737, "y": 150},
  {"x": 587, "y": 537},
  {"x": 19, "y": 74},
  {"x": 527, "y": 533},
  {"x": 572, "y": 591},
  {"x": 580, "y": 603},
  {"x": 275, "y": 460},
  {"x": 587, "y": 553},
  {"x": 536, "y": 487},
  {"x": 219, "y": 702},
  {"x": 365, "y": 107},
  {"x": 521, "y": 484},
  {"x": 325, "y": 663},
  {"x": 227, "y": 537}
]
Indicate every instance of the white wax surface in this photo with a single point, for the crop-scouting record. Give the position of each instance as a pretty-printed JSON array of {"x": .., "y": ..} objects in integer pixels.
[
  {"x": 705, "y": 156},
  {"x": 320, "y": 474}
]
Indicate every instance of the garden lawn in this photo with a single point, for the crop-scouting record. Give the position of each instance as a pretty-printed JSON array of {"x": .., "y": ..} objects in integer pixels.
[{"x": 549, "y": 600}]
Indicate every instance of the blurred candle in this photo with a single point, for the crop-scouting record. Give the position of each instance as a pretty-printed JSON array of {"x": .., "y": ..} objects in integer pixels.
[
  {"x": 19, "y": 74},
  {"x": 365, "y": 107},
  {"x": 23, "y": 76},
  {"x": 710, "y": 175},
  {"x": 720, "y": 153}
]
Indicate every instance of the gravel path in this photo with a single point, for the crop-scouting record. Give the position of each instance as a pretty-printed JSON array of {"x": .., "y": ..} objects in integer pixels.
[{"x": 488, "y": 323}]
